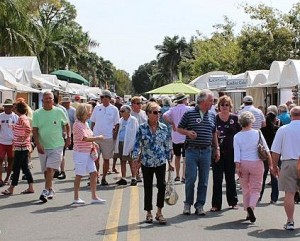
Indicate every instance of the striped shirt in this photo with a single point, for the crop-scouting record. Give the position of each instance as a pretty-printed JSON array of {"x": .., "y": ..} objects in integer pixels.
[
  {"x": 204, "y": 127},
  {"x": 81, "y": 130},
  {"x": 258, "y": 114},
  {"x": 22, "y": 131}
]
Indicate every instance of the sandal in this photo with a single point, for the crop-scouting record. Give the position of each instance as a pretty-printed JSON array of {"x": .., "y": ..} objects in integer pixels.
[
  {"x": 115, "y": 170},
  {"x": 177, "y": 179},
  {"x": 183, "y": 180},
  {"x": 149, "y": 218},
  {"x": 160, "y": 218},
  {"x": 215, "y": 209},
  {"x": 27, "y": 191},
  {"x": 6, "y": 192},
  {"x": 234, "y": 207}
]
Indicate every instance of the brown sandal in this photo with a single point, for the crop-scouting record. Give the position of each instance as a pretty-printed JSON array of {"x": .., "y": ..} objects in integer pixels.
[
  {"x": 160, "y": 218},
  {"x": 149, "y": 218}
]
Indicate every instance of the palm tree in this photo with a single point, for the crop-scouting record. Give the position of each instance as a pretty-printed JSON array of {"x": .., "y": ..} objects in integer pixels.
[
  {"x": 170, "y": 55},
  {"x": 15, "y": 38}
]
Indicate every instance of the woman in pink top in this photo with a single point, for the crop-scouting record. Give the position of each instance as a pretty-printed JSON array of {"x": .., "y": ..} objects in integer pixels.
[
  {"x": 22, "y": 146},
  {"x": 84, "y": 142}
]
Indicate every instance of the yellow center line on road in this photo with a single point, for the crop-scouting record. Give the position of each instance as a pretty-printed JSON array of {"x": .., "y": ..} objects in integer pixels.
[
  {"x": 111, "y": 230},
  {"x": 133, "y": 219}
]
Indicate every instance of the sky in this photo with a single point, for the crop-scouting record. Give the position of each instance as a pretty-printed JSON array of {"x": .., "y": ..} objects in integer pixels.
[{"x": 128, "y": 30}]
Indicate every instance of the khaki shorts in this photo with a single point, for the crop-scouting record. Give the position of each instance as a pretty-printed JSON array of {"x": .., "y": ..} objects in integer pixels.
[
  {"x": 288, "y": 178},
  {"x": 119, "y": 154},
  {"x": 51, "y": 159},
  {"x": 106, "y": 147}
]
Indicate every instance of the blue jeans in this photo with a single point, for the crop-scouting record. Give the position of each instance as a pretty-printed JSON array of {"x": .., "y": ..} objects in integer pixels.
[{"x": 197, "y": 160}]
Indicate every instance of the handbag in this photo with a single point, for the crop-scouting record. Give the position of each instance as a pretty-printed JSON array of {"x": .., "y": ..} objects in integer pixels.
[
  {"x": 261, "y": 150},
  {"x": 94, "y": 153},
  {"x": 171, "y": 196}
]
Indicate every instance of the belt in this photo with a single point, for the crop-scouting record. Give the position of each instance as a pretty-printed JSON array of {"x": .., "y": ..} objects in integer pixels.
[{"x": 200, "y": 147}]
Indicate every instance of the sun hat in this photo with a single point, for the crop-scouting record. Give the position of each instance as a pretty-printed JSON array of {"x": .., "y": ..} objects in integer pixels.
[
  {"x": 180, "y": 96},
  {"x": 8, "y": 102}
]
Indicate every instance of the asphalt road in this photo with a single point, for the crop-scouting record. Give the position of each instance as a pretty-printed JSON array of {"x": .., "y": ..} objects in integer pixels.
[{"x": 25, "y": 218}]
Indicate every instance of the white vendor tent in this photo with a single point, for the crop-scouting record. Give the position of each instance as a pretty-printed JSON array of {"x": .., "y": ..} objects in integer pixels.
[{"x": 211, "y": 80}]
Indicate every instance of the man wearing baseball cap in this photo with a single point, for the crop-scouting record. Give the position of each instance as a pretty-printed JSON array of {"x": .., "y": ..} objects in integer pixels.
[{"x": 260, "y": 120}]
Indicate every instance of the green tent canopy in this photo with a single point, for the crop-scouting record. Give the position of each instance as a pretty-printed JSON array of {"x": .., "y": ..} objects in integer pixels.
[
  {"x": 70, "y": 76},
  {"x": 175, "y": 87}
]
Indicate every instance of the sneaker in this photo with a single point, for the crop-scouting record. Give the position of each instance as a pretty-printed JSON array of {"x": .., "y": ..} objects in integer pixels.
[
  {"x": 133, "y": 182},
  {"x": 98, "y": 200},
  {"x": 61, "y": 176},
  {"x": 44, "y": 195},
  {"x": 56, "y": 174},
  {"x": 289, "y": 226},
  {"x": 187, "y": 209},
  {"x": 199, "y": 211},
  {"x": 78, "y": 201},
  {"x": 104, "y": 182},
  {"x": 122, "y": 182},
  {"x": 51, "y": 194}
]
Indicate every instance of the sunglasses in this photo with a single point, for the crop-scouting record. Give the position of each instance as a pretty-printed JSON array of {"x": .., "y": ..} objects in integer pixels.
[
  {"x": 122, "y": 111},
  {"x": 138, "y": 103},
  {"x": 225, "y": 105},
  {"x": 154, "y": 112},
  {"x": 104, "y": 96}
]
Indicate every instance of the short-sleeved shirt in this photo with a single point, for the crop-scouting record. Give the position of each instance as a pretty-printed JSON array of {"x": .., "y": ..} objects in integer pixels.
[
  {"x": 7, "y": 121},
  {"x": 175, "y": 114},
  {"x": 203, "y": 126},
  {"x": 50, "y": 126},
  {"x": 140, "y": 116},
  {"x": 80, "y": 131},
  {"x": 22, "y": 131},
  {"x": 286, "y": 141},
  {"x": 105, "y": 118},
  {"x": 258, "y": 114}
]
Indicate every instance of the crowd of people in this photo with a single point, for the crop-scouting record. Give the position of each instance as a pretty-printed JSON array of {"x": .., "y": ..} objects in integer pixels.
[{"x": 199, "y": 136}]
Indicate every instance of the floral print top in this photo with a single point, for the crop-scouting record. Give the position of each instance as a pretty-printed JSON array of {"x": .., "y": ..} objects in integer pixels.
[{"x": 154, "y": 148}]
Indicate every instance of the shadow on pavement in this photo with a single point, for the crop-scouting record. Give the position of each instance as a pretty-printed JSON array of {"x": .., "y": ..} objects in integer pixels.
[
  {"x": 237, "y": 224},
  {"x": 275, "y": 233}
]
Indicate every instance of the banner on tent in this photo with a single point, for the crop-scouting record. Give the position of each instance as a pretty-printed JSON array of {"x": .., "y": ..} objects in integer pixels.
[
  {"x": 216, "y": 82},
  {"x": 236, "y": 84}
]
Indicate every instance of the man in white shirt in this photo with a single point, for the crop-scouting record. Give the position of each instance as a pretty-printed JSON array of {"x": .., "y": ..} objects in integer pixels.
[
  {"x": 105, "y": 121},
  {"x": 260, "y": 120},
  {"x": 286, "y": 145},
  {"x": 173, "y": 116},
  {"x": 7, "y": 120}
]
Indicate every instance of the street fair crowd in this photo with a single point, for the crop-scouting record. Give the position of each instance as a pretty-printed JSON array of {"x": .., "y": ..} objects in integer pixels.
[{"x": 186, "y": 140}]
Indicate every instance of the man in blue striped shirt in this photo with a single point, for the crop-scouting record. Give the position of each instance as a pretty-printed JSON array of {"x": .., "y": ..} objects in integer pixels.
[{"x": 199, "y": 126}]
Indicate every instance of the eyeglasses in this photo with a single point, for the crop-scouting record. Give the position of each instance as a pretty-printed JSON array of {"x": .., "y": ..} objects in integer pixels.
[
  {"x": 154, "y": 112},
  {"x": 122, "y": 111},
  {"x": 138, "y": 103},
  {"x": 225, "y": 105},
  {"x": 104, "y": 96}
]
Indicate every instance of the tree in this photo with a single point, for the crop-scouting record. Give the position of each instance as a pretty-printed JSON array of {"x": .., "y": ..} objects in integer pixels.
[
  {"x": 141, "y": 79},
  {"x": 170, "y": 54},
  {"x": 122, "y": 83}
]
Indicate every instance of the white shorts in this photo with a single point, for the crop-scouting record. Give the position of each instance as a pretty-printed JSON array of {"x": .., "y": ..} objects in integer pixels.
[
  {"x": 51, "y": 159},
  {"x": 83, "y": 163}
]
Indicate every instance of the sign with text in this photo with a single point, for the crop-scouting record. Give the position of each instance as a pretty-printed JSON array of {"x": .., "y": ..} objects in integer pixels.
[
  {"x": 236, "y": 84},
  {"x": 216, "y": 82}
]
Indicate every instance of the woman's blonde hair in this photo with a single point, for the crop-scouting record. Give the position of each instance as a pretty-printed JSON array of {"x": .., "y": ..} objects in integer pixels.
[
  {"x": 151, "y": 105},
  {"x": 82, "y": 110}
]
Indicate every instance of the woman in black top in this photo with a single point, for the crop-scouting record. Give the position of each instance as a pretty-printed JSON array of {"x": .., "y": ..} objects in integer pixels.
[
  {"x": 227, "y": 127},
  {"x": 269, "y": 132}
]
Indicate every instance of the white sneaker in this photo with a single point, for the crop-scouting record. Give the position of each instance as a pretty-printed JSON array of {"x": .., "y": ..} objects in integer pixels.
[
  {"x": 51, "y": 194},
  {"x": 98, "y": 200},
  {"x": 289, "y": 226},
  {"x": 78, "y": 201},
  {"x": 43, "y": 196}
]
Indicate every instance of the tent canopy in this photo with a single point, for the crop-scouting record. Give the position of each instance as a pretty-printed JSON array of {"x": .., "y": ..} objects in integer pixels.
[
  {"x": 175, "y": 87},
  {"x": 290, "y": 75}
]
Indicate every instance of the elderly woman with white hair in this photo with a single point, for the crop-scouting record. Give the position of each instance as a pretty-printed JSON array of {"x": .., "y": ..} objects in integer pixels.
[
  {"x": 249, "y": 167},
  {"x": 128, "y": 126}
]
